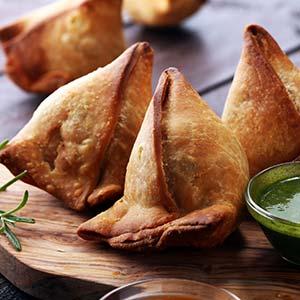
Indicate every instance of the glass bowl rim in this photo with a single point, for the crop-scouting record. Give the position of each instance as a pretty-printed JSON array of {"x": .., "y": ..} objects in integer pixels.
[
  {"x": 132, "y": 284},
  {"x": 258, "y": 209}
]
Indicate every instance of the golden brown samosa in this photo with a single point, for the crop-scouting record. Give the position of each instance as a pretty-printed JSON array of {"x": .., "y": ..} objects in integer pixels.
[
  {"x": 78, "y": 142},
  {"x": 161, "y": 12},
  {"x": 61, "y": 42},
  {"x": 263, "y": 104},
  {"x": 185, "y": 178}
]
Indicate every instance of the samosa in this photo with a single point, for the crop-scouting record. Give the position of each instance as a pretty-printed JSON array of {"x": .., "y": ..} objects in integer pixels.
[
  {"x": 78, "y": 142},
  {"x": 161, "y": 12},
  {"x": 61, "y": 42},
  {"x": 185, "y": 178},
  {"x": 263, "y": 104}
]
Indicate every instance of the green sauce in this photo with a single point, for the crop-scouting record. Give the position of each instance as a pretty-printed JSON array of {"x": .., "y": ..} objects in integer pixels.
[
  {"x": 282, "y": 199},
  {"x": 273, "y": 199}
]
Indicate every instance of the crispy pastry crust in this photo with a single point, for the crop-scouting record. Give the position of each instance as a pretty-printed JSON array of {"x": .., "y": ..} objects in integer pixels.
[
  {"x": 263, "y": 104},
  {"x": 185, "y": 178},
  {"x": 77, "y": 145},
  {"x": 161, "y": 12},
  {"x": 61, "y": 42}
]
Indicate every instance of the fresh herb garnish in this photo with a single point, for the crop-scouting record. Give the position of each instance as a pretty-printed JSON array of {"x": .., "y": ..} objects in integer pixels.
[
  {"x": 12, "y": 181},
  {"x": 3, "y": 144},
  {"x": 8, "y": 218}
]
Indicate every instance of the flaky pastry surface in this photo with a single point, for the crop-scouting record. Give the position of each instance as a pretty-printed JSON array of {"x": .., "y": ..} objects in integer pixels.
[
  {"x": 185, "y": 178},
  {"x": 62, "y": 41},
  {"x": 161, "y": 12},
  {"x": 78, "y": 142},
  {"x": 263, "y": 104}
]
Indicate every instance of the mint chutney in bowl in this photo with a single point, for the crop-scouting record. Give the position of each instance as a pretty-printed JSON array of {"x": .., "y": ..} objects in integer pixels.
[{"x": 273, "y": 199}]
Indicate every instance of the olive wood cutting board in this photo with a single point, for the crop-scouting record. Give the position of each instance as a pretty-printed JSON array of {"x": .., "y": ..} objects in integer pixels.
[{"x": 56, "y": 264}]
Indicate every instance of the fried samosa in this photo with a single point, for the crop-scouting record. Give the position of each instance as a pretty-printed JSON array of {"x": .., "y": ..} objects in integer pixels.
[
  {"x": 61, "y": 42},
  {"x": 78, "y": 142},
  {"x": 185, "y": 178},
  {"x": 263, "y": 104},
  {"x": 161, "y": 12}
]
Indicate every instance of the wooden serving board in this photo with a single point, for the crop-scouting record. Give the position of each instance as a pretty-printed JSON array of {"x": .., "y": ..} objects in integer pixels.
[{"x": 56, "y": 264}]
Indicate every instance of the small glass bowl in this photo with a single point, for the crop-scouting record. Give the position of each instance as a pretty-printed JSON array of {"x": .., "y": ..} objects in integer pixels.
[
  {"x": 169, "y": 289},
  {"x": 283, "y": 234}
]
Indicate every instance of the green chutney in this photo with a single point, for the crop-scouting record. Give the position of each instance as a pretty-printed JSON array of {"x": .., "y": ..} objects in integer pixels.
[
  {"x": 282, "y": 199},
  {"x": 273, "y": 199}
]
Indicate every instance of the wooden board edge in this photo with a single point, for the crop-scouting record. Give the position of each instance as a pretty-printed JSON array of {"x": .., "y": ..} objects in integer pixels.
[{"x": 61, "y": 287}]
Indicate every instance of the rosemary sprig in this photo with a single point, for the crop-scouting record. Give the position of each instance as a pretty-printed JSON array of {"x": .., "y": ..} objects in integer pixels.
[
  {"x": 8, "y": 218},
  {"x": 3, "y": 144},
  {"x": 4, "y": 187}
]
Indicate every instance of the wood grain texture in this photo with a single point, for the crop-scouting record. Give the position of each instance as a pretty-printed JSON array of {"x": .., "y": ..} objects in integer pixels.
[{"x": 59, "y": 265}]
